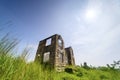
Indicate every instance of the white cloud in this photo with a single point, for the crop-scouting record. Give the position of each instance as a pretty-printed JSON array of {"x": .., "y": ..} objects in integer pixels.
[{"x": 93, "y": 42}]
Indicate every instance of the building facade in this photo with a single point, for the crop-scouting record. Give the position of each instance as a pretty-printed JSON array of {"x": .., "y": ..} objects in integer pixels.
[{"x": 51, "y": 52}]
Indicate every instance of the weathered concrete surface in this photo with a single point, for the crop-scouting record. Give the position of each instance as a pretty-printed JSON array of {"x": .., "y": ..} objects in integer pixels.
[{"x": 51, "y": 52}]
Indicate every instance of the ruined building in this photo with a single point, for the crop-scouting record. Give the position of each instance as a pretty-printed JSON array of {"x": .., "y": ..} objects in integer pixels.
[{"x": 51, "y": 51}]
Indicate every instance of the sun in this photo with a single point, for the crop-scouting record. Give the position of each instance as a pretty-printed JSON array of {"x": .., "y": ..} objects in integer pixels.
[{"x": 90, "y": 14}]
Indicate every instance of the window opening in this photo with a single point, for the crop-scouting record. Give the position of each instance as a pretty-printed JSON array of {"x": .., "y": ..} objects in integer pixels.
[
  {"x": 60, "y": 42},
  {"x": 48, "y": 42},
  {"x": 46, "y": 57}
]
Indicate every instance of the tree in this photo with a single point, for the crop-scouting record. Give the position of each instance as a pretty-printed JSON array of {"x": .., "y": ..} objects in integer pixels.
[{"x": 116, "y": 64}]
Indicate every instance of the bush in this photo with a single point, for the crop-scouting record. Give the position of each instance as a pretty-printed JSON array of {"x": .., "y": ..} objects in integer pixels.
[
  {"x": 69, "y": 70},
  {"x": 80, "y": 74},
  {"x": 102, "y": 77}
]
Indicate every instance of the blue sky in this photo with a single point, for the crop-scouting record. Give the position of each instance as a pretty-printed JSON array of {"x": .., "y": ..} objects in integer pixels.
[{"x": 91, "y": 27}]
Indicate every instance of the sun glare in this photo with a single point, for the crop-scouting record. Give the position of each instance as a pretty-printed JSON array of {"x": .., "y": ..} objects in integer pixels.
[{"x": 90, "y": 14}]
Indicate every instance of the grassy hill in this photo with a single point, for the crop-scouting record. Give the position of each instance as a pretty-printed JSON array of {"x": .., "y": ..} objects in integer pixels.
[{"x": 15, "y": 68}]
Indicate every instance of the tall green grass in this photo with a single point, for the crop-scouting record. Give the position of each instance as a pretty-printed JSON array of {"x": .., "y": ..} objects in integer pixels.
[{"x": 16, "y": 68}]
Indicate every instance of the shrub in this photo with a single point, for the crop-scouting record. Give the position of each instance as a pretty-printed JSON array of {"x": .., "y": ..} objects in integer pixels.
[
  {"x": 102, "y": 77},
  {"x": 80, "y": 74},
  {"x": 69, "y": 70}
]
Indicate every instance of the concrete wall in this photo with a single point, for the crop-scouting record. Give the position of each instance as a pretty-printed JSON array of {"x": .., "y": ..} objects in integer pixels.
[{"x": 51, "y": 52}]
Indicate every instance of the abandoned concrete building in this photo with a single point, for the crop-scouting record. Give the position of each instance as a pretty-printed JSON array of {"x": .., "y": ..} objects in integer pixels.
[{"x": 51, "y": 51}]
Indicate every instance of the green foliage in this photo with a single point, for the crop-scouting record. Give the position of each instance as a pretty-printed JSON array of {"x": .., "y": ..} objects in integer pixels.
[
  {"x": 85, "y": 65},
  {"x": 7, "y": 44},
  {"x": 69, "y": 70},
  {"x": 115, "y": 65},
  {"x": 103, "y": 68},
  {"x": 15, "y": 68}
]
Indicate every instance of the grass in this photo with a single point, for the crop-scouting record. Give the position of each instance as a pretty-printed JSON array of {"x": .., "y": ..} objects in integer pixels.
[{"x": 16, "y": 68}]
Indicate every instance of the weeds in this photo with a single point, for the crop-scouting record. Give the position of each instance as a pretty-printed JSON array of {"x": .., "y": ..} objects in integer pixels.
[{"x": 15, "y": 68}]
